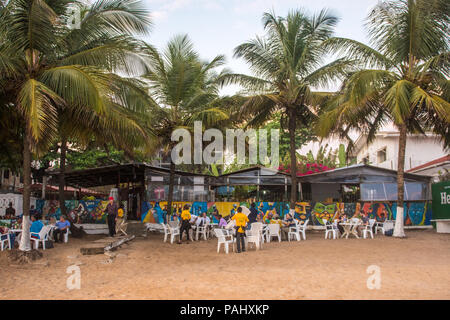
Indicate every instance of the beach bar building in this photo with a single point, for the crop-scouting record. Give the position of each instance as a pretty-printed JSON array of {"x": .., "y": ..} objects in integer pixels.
[{"x": 136, "y": 183}]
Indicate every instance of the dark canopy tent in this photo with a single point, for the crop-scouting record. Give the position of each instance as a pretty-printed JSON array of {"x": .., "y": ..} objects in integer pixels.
[
  {"x": 373, "y": 183},
  {"x": 134, "y": 180},
  {"x": 257, "y": 183}
]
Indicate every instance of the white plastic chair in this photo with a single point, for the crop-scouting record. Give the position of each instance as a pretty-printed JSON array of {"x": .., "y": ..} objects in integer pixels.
[
  {"x": 302, "y": 228},
  {"x": 252, "y": 236},
  {"x": 222, "y": 236},
  {"x": 294, "y": 232},
  {"x": 202, "y": 230},
  {"x": 166, "y": 231},
  {"x": 381, "y": 226},
  {"x": 43, "y": 236},
  {"x": 174, "y": 231},
  {"x": 174, "y": 224},
  {"x": 330, "y": 231},
  {"x": 273, "y": 231},
  {"x": 258, "y": 226},
  {"x": 298, "y": 231},
  {"x": 4, "y": 241},
  {"x": 368, "y": 229}
]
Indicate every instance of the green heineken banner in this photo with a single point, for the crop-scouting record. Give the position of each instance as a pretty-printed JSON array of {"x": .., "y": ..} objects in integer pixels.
[{"x": 441, "y": 200}]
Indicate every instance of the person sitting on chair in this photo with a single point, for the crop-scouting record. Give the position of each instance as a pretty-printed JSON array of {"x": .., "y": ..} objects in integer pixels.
[
  {"x": 205, "y": 219},
  {"x": 222, "y": 222},
  {"x": 36, "y": 226},
  {"x": 268, "y": 218},
  {"x": 62, "y": 227},
  {"x": 339, "y": 220},
  {"x": 287, "y": 223},
  {"x": 4, "y": 233},
  {"x": 365, "y": 221}
]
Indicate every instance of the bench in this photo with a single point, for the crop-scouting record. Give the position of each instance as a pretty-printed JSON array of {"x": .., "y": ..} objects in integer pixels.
[{"x": 442, "y": 225}]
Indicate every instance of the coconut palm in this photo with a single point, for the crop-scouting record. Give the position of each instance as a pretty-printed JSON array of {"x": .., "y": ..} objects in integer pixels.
[
  {"x": 405, "y": 78},
  {"x": 42, "y": 72},
  {"x": 184, "y": 89},
  {"x": 287, "y": 63}
]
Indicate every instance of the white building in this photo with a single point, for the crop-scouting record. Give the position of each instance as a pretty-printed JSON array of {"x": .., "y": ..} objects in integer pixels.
[
  {"x": 435, "y": 168},
  {"x": 383, "y": 150}
]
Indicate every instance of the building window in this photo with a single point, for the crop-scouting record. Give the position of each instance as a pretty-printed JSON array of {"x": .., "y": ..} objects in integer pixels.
[{"x": 381, "y": 155}]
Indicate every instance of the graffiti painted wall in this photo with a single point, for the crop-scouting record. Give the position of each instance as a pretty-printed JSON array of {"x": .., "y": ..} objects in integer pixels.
[
  {"x": 416, "y": 213},
  {"x": 79, "y": 211}
]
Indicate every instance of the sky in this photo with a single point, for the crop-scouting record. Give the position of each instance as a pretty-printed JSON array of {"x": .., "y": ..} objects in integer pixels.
[{"x": 218, "y": 26}]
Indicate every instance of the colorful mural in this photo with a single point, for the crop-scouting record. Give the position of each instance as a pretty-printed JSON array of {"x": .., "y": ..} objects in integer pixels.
[
  {"x": 91, "y": 211},
  {"x": 79, "y": 211},
  {"x": 416, "y": 213}
]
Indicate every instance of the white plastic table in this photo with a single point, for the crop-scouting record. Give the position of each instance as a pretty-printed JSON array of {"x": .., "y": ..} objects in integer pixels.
[{"x": 349, "y": 228}]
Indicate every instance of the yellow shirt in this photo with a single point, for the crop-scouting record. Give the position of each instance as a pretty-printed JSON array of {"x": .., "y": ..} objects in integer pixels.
[
  {"x": 120, "y": 213},
  {"x": 241, "y": 220},
  {"x": 185, "y": 215}
]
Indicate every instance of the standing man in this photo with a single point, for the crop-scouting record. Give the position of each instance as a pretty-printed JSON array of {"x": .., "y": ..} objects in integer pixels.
[
  {"x": 111, "y": 211},
  {"x": 10, "y": 211},
  {"x": 185, "y": 223},
  {"x": 241, "y": 221},
  {"x": 252, "y": 215}
]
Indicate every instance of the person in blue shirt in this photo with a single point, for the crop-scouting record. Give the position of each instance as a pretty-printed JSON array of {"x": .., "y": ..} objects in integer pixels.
[
  {"x": 62, "y": 227},
  {"x": 287, "y": 223},
  {"x": 36, "y": 226}
]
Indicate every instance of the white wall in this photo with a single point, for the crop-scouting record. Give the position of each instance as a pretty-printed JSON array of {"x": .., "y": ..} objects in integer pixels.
[
  {"x": 419, "y": 150},
  {"x": 17, "y": 201}
]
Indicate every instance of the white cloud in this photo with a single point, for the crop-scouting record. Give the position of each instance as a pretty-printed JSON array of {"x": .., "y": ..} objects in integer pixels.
[
  {"x": 162, "y": 8},
  {"x": 158, "y": 16}
]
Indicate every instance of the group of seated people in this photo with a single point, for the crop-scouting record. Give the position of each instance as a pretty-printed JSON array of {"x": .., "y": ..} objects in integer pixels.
[
  {"x": 61, "y": 227},
  {"x": 270, "y": 217},
  {"x": 364, "y": 217}
]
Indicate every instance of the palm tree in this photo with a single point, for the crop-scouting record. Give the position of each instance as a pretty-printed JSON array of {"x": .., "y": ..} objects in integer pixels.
[
  {"x": 405, "y": 78},
  {"x": 96, "y": 41},
  {"x": 41, "y": 73},
  {"x": 287, "y": 64},
  {"x": 184, "y": 89}
]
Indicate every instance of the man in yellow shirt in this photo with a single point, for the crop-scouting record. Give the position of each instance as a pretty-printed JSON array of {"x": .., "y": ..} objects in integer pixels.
[
  {"x": 185, "y": 224},
  {"x": 241, "y": 223}
]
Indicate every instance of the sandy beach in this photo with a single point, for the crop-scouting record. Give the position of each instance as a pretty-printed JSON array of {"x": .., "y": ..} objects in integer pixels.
[{"x": 147, "y": 268}]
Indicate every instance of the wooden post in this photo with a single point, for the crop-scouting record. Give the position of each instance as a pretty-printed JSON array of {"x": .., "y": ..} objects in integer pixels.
[{"x": 44, "y": 186}]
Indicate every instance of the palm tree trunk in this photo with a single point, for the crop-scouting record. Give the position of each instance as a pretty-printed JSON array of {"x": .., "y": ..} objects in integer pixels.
[
  {"x": 292, "y": 129},
  {"x": 171, "y": 178},
  {"x": 61, "y": 176},
  {"x": 398, "y": 229},
  {"x": 25, "y": 244}
]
